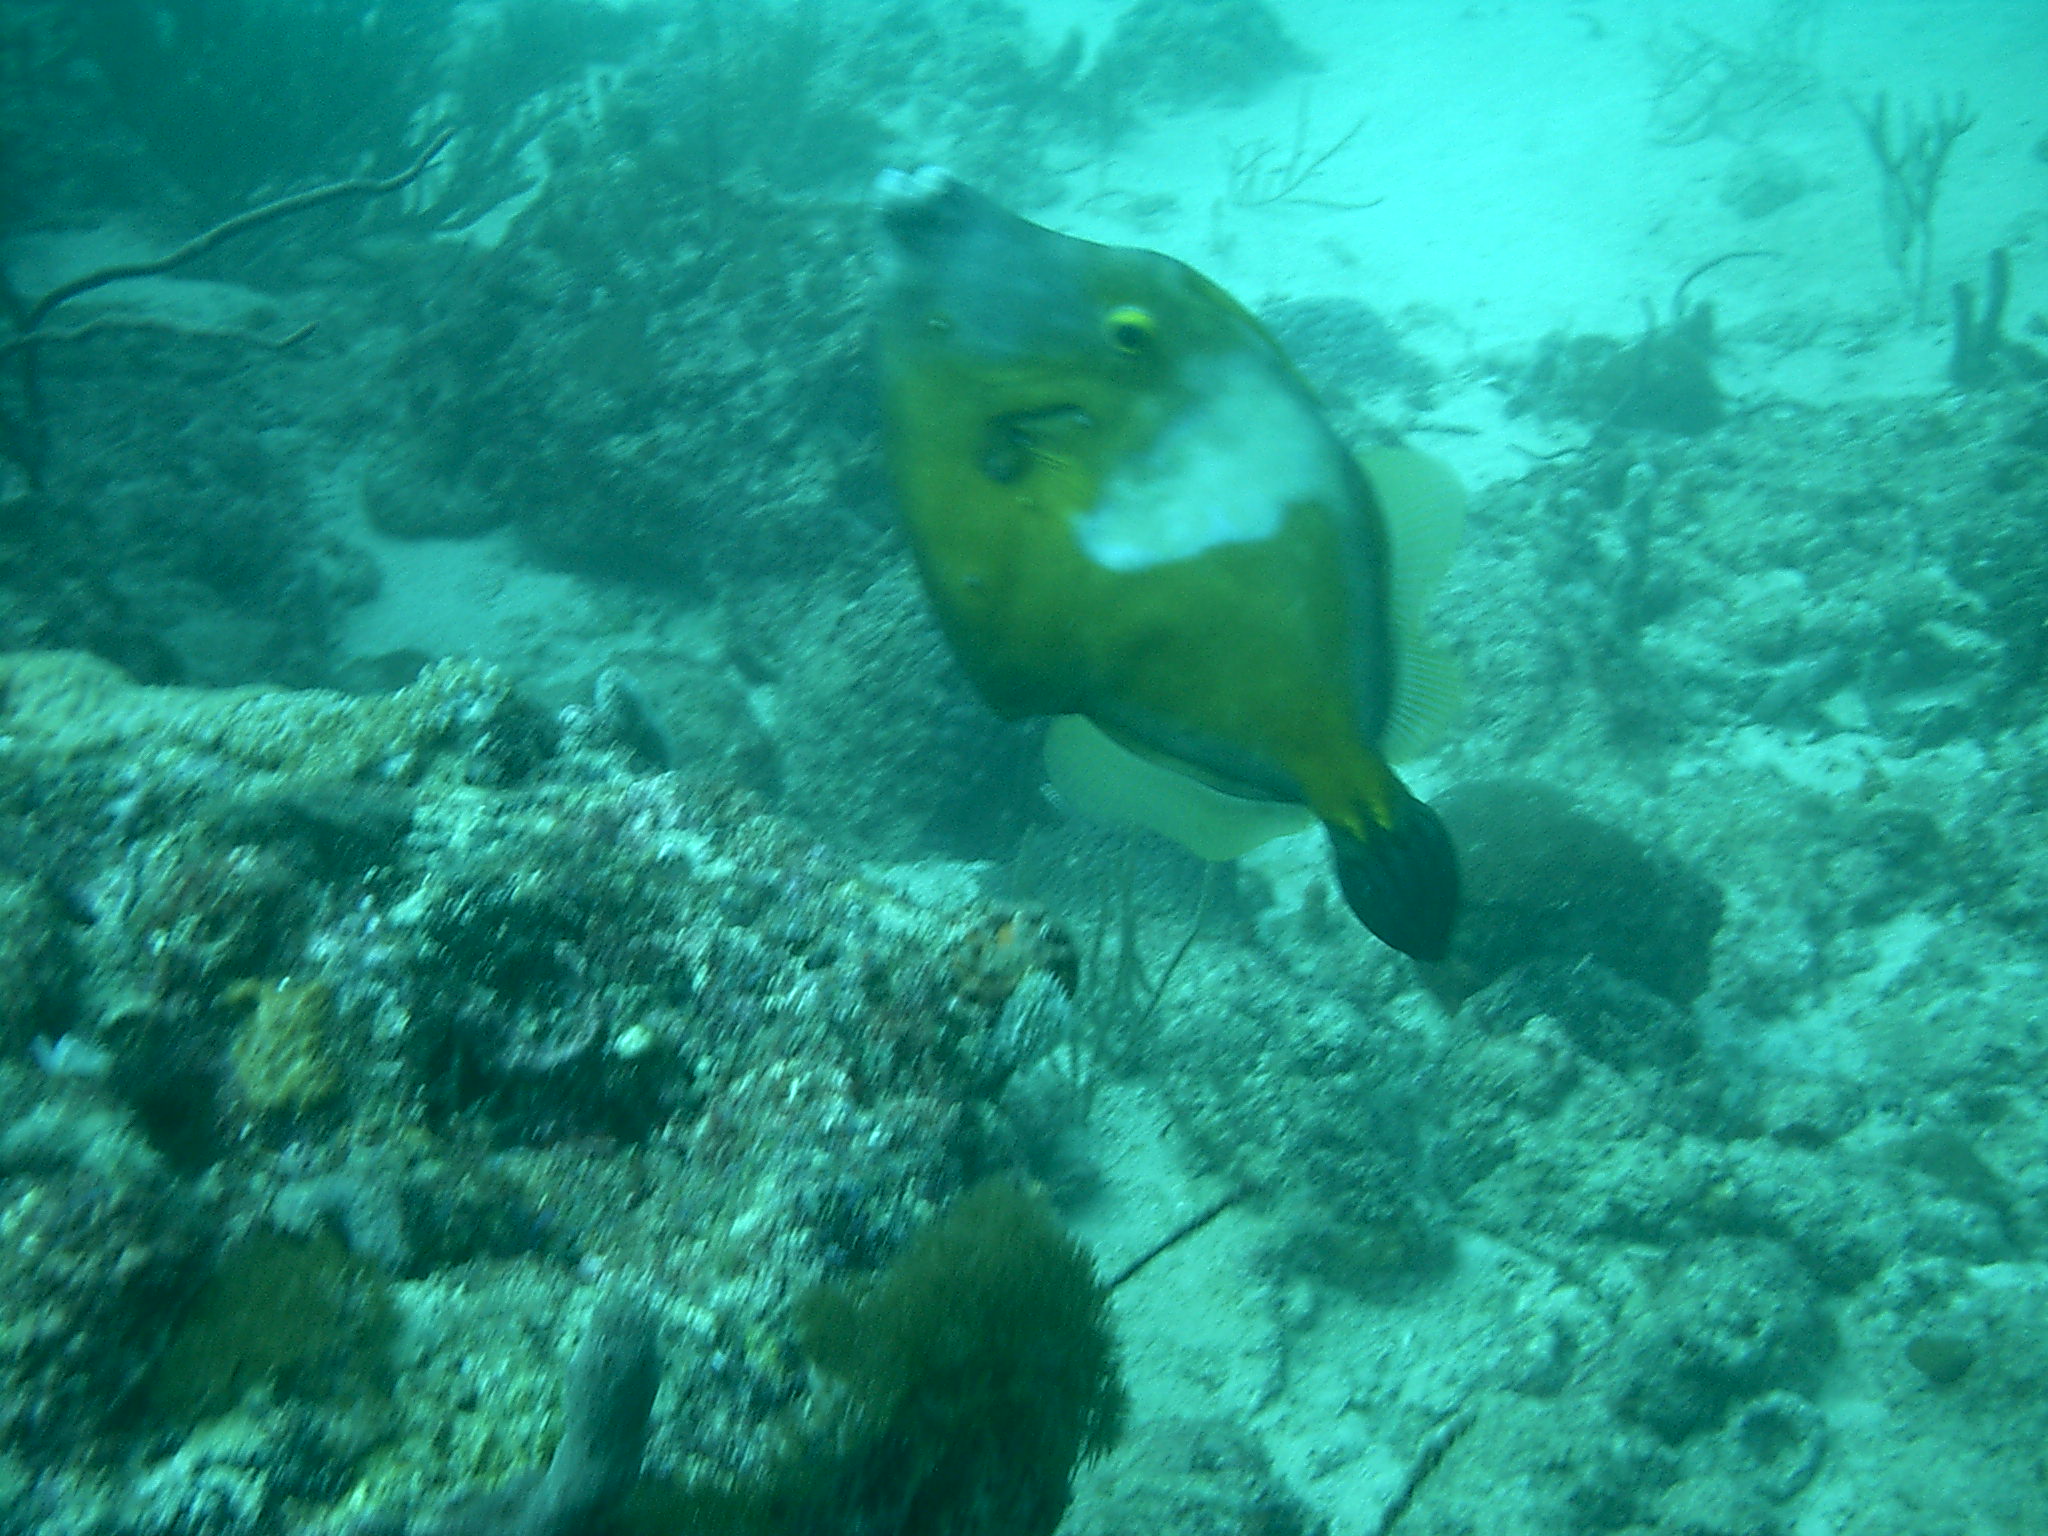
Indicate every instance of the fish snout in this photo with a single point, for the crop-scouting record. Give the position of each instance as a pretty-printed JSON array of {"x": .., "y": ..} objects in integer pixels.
[
  {"x": 894, "y": 190},
  {"x": 954, "y": 263},
  {"x": 921, "y": 210}
]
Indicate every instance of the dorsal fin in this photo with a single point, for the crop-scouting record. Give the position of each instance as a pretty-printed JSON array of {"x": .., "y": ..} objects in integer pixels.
[
  {"x": 1429, "y": 688},
  {"x": 1423, "y": 507}
]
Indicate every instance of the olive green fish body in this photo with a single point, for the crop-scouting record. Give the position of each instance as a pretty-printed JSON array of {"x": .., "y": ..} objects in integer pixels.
[{"x": 1126, "y": 507}]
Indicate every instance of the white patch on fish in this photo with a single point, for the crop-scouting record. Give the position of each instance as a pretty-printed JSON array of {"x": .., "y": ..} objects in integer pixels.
[{"x": 1224, "y": 471}]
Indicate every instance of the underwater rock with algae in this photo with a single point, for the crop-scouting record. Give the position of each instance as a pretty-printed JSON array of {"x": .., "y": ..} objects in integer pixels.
[{"x": 403, "y": 1007}]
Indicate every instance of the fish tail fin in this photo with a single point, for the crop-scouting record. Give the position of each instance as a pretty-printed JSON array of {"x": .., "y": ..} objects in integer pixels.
[{"x": 1401, "y": 879}]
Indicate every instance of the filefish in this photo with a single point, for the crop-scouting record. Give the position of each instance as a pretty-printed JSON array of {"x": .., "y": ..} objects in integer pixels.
[{"x": 1130, "y": 516}]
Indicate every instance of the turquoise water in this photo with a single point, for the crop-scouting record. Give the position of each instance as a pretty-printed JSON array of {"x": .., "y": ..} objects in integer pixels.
[{"x": 538, "y": 993}]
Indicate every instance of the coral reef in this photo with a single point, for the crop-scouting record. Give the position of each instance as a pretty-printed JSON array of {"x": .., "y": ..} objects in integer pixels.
[
  {"x": 980, "y": 1373},
  {"x": 1714, "y": 85},
  {"x": 1545, "y": 883},
  {"x": 403, "y": 984},
  {"x": 1350, "y": 352},
  {"x": 608, "y": 1396},
  {"x": 1910, "y": 171},
  {"x": 1662, "y": 380},
  {"x": 1190, "y": 53}
]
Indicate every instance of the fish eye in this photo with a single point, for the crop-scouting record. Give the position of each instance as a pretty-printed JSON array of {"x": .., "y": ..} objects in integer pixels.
[{"x": 1130, "y": 329}]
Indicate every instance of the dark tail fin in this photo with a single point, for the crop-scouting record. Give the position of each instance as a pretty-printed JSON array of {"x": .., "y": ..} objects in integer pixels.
[{"x": 1402, "y": 881}]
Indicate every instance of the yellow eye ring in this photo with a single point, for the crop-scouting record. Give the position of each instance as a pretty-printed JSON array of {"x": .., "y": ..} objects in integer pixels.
[{"x": 1130, "y": 329}]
